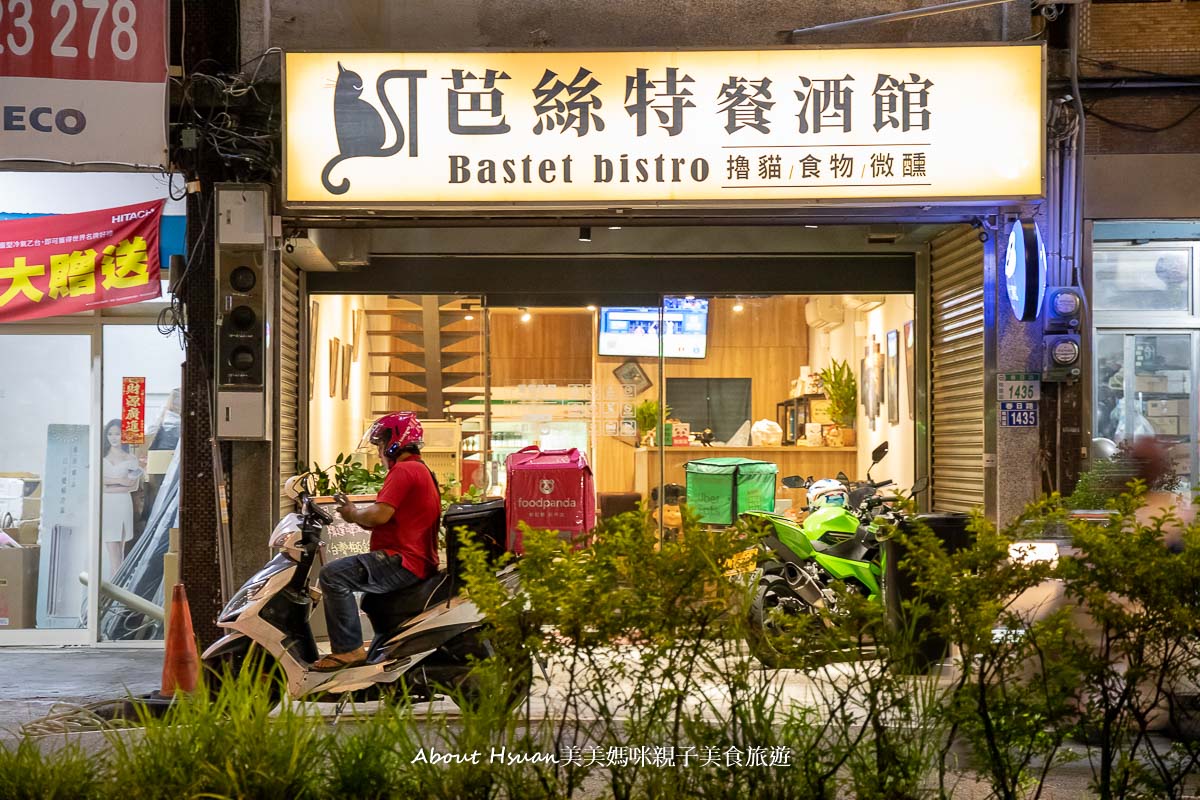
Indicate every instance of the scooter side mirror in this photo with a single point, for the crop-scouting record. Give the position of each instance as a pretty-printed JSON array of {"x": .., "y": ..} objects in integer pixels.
[
  {"x": 879, "y": 452},
  {"x": 921, "y": 485},
  {"x": 843, "y": 477},
  {"x": 793, "y": 482}
]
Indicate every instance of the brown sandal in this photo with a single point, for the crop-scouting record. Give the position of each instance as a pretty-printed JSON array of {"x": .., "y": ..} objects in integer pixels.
[{"x": 336, "y": 661}]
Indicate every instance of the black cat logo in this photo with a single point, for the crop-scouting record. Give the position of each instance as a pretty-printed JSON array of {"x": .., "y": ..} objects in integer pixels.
[{"x": 361, "y": 130}]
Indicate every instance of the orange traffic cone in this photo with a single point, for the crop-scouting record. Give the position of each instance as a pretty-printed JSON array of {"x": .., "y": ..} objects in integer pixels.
[{"x": 181, "y": 661}]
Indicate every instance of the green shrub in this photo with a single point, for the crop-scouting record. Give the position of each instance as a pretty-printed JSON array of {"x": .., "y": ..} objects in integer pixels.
[
  {"x": 60, "y": 772},
  {"x": 233, "y": 745}
]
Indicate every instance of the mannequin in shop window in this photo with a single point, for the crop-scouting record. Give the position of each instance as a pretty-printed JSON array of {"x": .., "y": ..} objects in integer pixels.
[{"x": 122, "y": 475}]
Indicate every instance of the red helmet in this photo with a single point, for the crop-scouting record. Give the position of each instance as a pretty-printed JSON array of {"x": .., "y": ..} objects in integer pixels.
[{"x": 394, "y": 432}]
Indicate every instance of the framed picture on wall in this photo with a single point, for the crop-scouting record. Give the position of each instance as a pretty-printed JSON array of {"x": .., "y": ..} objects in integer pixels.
[
  {"x": 910, "y": 366},
  {"x": 314, "y": 312},
  {"x": 335, "y": 351},
  {"x": 356, "y": 336},
  {"x": 631, "y": 374},
  {"x": 347, "y": 355},
  {"x": 893, "y": 376}
]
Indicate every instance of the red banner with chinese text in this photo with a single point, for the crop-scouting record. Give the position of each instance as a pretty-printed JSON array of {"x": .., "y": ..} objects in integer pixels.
[
  {"x": 68, "y": 263},
  {"x": 133, "y": 410}
]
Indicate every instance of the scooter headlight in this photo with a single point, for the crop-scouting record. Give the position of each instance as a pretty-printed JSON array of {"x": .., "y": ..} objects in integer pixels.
[{"x": 246, "y": 595}]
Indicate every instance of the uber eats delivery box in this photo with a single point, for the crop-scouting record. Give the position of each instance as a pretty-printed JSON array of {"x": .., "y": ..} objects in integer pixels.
[
  {"x": 549, "y": 489},
  {"x": 718, "y": 489}
]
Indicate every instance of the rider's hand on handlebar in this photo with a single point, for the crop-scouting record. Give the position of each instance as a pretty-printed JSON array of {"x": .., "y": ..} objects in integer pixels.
[{"x": 345, "y": 507}]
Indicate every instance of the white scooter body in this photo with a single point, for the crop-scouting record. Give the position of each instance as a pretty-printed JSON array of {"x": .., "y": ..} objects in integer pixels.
[{"x": 272, "y": 610}]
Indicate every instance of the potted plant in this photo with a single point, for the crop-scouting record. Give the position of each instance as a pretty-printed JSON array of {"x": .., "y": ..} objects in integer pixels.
[
  {"x": 648, "y": 421},
  {"x": 841, "y": 388}
]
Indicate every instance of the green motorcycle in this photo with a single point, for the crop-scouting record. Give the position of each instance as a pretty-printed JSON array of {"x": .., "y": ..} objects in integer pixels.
[{"x": 837, "y": 542}]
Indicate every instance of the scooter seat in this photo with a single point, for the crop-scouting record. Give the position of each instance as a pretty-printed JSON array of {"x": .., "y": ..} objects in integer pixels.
[{"x": 391, "y": 610}]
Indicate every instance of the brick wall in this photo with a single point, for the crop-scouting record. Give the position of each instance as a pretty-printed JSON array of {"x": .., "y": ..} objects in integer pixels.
[
  {"x": 1151, "y": 109},
  {"x": 1158, "y": 37}
]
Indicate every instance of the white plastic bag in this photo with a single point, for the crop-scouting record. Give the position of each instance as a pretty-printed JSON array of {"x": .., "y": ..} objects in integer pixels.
[{"x": 766, "y": 433}]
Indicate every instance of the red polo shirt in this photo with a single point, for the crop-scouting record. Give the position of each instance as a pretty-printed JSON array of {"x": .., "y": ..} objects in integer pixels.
[{"x": 410, "y": 533}]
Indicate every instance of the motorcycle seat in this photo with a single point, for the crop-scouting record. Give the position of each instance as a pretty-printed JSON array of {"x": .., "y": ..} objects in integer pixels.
[{"x": 390, "y": 610}]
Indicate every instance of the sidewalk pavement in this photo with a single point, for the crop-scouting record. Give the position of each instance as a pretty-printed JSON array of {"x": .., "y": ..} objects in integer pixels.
[{"x": 36, "y": 679}]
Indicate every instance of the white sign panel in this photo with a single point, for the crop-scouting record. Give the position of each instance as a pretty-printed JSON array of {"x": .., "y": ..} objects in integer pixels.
[
  {"x": 83, "y": 81},
  {"x": 1019, "y": 386},
  {"x": 654, "y": 128}
]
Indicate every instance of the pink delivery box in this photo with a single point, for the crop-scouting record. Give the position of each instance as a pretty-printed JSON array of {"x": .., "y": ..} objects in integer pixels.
[{"x": 549, "y": 489}]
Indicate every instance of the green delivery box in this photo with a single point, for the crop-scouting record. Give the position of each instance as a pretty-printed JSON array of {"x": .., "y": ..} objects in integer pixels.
[{"x": 718, "y": 489}]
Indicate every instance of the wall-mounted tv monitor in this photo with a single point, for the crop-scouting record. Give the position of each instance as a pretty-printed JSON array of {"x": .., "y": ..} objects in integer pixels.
[{"x": 634, "y": 331}]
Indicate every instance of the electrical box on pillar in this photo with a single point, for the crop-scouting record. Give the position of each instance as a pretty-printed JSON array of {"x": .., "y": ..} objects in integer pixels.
[
  {"x": 1064, "y": 310},
  {"x": 1063, "y": 357},
  {"x": 245, "y": 287}
]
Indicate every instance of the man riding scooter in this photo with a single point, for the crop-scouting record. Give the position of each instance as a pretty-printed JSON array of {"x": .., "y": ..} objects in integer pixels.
[{"x": 403, "y": 522}]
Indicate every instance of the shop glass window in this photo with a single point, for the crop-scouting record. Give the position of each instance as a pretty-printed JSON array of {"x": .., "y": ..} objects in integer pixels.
[
  {"x": 46, "y": 468},
  {"x": 139, "y": 475},
  {"x": 1142, "y": 278},
  {"x": 1144, "y": 388},
  {"x": 371, "y": 355}
]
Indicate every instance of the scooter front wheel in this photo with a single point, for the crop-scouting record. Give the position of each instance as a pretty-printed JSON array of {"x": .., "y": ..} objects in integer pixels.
[{"x": 243, "y": 663}]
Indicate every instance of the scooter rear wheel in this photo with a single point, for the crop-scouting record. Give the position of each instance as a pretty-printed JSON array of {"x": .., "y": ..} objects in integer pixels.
[
  {"x": 768, "y": 639},
  {"x": 467, "y": 683}
]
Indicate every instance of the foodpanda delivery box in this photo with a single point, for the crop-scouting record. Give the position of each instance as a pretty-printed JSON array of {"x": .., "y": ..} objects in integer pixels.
[{"x": 550, "y": 489}]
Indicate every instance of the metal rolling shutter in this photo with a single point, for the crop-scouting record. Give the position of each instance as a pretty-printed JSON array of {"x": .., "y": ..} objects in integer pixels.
[
  {"x": 289, "y": 379},
  {"x": 957, "y": 370}
]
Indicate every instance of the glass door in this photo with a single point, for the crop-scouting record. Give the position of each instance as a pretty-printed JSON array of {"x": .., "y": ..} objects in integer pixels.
[
  {"x": 47, "y": 492},
  {"x": 139, "y": 477},
  {"x": 1144, "y": 388}
]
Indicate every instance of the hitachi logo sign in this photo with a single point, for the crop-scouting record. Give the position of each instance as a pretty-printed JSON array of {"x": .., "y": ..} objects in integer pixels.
[{"x": 130, "y": 216}]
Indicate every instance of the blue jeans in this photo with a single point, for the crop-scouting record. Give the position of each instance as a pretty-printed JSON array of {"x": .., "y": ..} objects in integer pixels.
[{"x": 376, "y": 572}]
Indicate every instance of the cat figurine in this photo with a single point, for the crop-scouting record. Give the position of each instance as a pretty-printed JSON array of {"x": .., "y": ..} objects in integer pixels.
[{"x": 361, "y": 130}]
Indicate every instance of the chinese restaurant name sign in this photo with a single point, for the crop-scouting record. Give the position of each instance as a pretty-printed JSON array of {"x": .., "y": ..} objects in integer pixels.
[
  {"x": 564, "y": 128},
  {"x": 67, "y": 263}
]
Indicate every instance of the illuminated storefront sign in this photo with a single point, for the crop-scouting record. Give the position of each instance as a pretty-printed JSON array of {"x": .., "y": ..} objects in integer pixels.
[{"x": 638, "y": 128}]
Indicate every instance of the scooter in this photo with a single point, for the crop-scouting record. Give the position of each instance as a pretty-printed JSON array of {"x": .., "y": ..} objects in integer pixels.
[
  {"x": 428, "y": 634},
  {"x": 803, "y": 560}
]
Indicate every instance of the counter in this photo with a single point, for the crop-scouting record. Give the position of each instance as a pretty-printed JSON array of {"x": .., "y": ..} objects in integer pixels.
[{"x": 819, "y": 462}]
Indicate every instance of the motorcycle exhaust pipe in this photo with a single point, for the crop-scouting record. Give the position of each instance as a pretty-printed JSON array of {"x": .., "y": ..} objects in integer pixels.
[
  {"x": 794, "y": 575},
  {"x": 804, "y": 584}
]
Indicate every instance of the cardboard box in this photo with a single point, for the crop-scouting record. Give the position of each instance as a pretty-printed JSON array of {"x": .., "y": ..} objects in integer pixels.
[
  {"x": 1150, "y": 383},
  {"x": 1165, "y": 426},
  {"x": 1167, "y": 408},
  {"x": 25, "y": 532},
  {"x": 20, "y": 484},
  {"x": 20, "y": 508},
  {"x": 18, "y": 587}
]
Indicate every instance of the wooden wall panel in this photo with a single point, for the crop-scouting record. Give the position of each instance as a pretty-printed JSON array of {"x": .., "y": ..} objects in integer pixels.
[{"x": 554, "y": 347}]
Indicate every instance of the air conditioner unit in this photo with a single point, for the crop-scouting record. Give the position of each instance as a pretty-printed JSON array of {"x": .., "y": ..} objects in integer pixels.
[
  {"x": 824, "y": 312},
  {"x": 862, "y": 303}
]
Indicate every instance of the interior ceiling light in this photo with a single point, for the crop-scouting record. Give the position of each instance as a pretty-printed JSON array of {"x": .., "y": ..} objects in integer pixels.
[
  {"x": 585, "y": 234},
  {"x": 738, "y": 307},
  {"x": 525, "y": 315},
  {"x": 812, "y": 226},
  {"x": 591, "y": 308},
  {"x": 614, "y": 227},
  {"x": 469, "y": 317}
]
